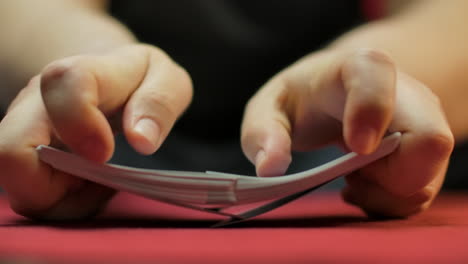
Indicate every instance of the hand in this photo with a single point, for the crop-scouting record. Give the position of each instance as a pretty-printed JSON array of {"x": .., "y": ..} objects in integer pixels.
[
  {"x": 78, "y": 103},
  {"x": 353, "y": 99}
]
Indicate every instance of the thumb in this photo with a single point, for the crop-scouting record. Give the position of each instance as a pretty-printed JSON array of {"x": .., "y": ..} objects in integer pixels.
[
  {"x": 265, "y": 132},
  {"x": 359, "y": 90},
  {"x": 154, "y": 107}
]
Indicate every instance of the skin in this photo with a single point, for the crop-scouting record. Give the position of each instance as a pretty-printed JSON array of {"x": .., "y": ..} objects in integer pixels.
[{"x": 352, "y": 92}]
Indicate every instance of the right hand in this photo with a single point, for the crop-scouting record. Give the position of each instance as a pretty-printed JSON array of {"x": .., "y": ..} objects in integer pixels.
[{"x": 78, "y": 103}]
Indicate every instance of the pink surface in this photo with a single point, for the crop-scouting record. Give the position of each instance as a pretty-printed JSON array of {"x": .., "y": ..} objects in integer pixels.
[{"x": 318, "y": 228}]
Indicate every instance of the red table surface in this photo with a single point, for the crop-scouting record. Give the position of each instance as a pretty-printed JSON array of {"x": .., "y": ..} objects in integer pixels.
[{"x": 318, "y": 228}]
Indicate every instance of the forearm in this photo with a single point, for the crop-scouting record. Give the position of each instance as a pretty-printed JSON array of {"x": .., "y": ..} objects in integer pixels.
[
  {"x": 430, "y": 42},
  {"x": 34, "y": 33}
]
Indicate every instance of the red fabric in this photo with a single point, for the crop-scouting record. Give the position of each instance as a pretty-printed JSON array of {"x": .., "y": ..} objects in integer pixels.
[{"x": 318, "y": 228}]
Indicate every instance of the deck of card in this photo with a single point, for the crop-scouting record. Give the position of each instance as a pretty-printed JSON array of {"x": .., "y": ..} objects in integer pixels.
[{"x": 214, "y": 192}]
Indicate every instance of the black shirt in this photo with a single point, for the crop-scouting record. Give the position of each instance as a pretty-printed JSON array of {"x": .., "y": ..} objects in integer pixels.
[{"x": 230, "y": 48}]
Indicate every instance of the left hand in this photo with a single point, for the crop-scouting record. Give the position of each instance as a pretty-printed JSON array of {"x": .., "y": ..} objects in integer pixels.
[{"x": 353, "y": 99}]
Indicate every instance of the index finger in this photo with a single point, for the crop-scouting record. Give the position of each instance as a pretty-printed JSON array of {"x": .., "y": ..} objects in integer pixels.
[{"x": 81, "y": 92}]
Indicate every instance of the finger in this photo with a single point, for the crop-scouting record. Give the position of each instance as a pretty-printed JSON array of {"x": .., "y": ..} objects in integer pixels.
[
  {"x": 417, "y": 168},
  {"x": 154, "y": 107},
  {"x": 317, "y": 90},
  {"x": 17, "y": 154},
  {"x": 425, "y": 146},
  {"x": 78, "y": 203},
  {"x": 34, "y": 188},
  {"x": 79, "y": 92},
  {"x": 368, "y": 77},
  {"x": 357, "y": 89},
  {"x": 377, "y": 201},
  {"x": 265, "y": 131}
]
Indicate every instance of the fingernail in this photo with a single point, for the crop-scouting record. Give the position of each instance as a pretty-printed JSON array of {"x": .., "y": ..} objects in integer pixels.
[
  {"x": 363, "y": 140},
  {"x": 270, "y": 168},
  {"x": 149, "y": 130}
]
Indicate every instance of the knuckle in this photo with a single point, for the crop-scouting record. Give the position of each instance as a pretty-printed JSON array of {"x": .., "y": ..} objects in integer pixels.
[
  {"x": 54, "y": 72},
  {"x": 148, "y": 51},
  {"x": 72, "y": 69},
  {"x": 439, "y": 143},
  {"x": 161, "y": 102},
  {"x": 178, "y": 77},
  {"x": 154, "y": 52},
  {"x": 371, "y": 64},
  {"x": 422, "y": 201},
  {"x": 149, "y": 48},
  {"x": 423, "y": 89},
  {"x": 399, "y": 210},
  {"x": 433, "y": 97},
  {"x": 159, "y": 55},
  {"x": 425, "y": 196},
  {"x": 374, "y": 55}
]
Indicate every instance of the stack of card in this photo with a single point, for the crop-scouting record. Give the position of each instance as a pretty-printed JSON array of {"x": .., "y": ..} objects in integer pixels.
[{"x": 201, "y": 190}]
